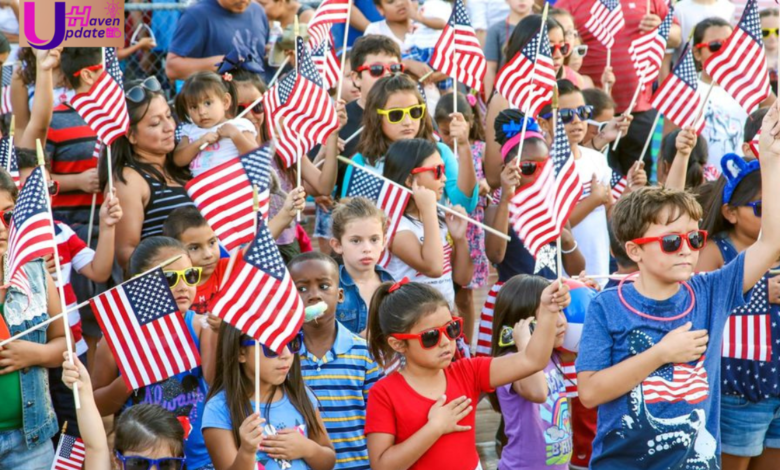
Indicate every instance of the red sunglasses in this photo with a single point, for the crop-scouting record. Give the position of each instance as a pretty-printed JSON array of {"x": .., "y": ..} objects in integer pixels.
[
  {"x": 672, "y": 243},
  {"x": 6, "y": 217},
  {"x": 257, "y": 109},
  {"x": 529, "y": 168},
  {"x": 713, "y": 46},
  {"x": 379, "y": 70},
  {"x": 438, "y": 170},
  {"x": 564, "y": 48},
  {"x": 431, "y": 338}
]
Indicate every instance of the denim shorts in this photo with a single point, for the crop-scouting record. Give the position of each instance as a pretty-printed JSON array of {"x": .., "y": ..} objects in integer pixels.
[
  {"x": 15, "y": 455},
  {"x": 322, "y": 223},
  {"x": 746, "y": 428}
]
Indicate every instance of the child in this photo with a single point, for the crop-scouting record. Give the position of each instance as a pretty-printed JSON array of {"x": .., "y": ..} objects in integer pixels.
[
  {"x": 207, "y": 104},
  {"x": 475, "y": 139},
  {"x": 349, "y": 92},
  {"x": 752, "y": 128},
  {"x": 770, "y": 31},
  {"x": 399, "y": 113},
  {"x": 534, "y": 409},
  {"x": 397, "y": 22},
  {"x": 683, "y": 163},
  {"x": 691, "y": 13},
  {"x": 497, "y": 38},
  {"x": 659, "y": 328},
  {"x": 625, "y": 265},
  {"x": 290, "y": 431},
  {"x": 603, "y": 126},
  {"x": 184, "y": 394},
  {"x": 359, "y": 238},
  {"x": 142, "y": 435},
  {"x": 74, "y": 254},
  {"x": 334, "y": 361},
  {"x": 424, "y": 248},
  {"x": 422, "y": 416}
]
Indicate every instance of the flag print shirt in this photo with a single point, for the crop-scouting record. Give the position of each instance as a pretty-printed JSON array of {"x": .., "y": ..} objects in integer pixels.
[
  {"x": 671, "y": 419},
  {"x": 751, "y": 340}
]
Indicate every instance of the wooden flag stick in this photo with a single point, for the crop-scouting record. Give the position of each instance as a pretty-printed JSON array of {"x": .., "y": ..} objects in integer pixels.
[
  {"x": 609, "y": 64},
  {"x": 353, "y": 136},
  {"x": 343, "y": 51},
  {"x": 249, "y": 108},
  {"x": 257, "y": 376},
  {"x": 558, "y": 242},
  {"x": 440, "y": 206},
  {"x": 58, "y": 270}
]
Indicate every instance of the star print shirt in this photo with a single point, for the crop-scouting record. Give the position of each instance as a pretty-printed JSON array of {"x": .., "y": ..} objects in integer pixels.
[{"x": 671, "y": 419}]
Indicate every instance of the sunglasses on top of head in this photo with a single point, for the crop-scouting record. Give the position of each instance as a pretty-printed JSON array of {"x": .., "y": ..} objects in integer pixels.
[
  {"x": 672, "y": 243},
  {"x": 380, "y": 70},
  {"x": 294, "y": 345},
  {"x": 431, "y": 338},
  {"x": 713, "y": 46},
  {"x": 143, "y": 463},
  {"x": 438, "y": 170},
  {"x": 138, "y": 92}
]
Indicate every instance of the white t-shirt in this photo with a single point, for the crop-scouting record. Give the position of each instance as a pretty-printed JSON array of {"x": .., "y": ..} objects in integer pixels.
[
  {"x": 218, "y": 152},
  {"x": 724, "y": 124},
  {"x": 689, "y": 13},
  {"x": 422, "y": 36},
  {"x": 486, "y": 13},
  {"x": 380, "y": 28},
  {"x": 591, "y": 234},
  {"x": 398, "y": 269}
]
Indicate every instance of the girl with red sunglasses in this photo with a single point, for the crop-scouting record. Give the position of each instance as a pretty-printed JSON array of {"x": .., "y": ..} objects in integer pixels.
[{"x": 422, "y": 416}]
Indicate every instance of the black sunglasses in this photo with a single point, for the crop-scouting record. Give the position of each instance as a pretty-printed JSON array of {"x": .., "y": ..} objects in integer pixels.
[
  {"x": 294, "y": 346},
  {"x": 138, "y": 92},
  {"x": 673, "y": 242},
  {"x": 529, "y": 168},
  {"x": 566, "y": 115}
]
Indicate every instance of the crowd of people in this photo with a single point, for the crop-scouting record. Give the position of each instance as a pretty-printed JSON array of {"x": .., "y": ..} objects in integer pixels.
[{"x": 646, "y": 337}]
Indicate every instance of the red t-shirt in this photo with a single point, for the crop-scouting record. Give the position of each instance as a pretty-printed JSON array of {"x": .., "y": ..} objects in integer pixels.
[
  {"x": 395, "y": 408},
  {"x": 207, "y": 291},
  {"x": 593, "y": 66}
]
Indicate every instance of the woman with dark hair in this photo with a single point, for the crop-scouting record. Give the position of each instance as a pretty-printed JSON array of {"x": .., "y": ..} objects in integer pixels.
[{"x": 147, "y": 181}]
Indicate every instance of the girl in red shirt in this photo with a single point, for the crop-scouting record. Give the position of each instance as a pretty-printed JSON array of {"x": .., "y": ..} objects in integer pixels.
[{"x": 422, "y": 416}]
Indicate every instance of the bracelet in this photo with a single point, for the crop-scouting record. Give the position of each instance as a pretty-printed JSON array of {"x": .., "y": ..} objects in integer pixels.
[{"x": 565, "y": 252}]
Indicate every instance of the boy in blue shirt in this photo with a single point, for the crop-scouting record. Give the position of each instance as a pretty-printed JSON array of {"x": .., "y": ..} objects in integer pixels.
[
  {"x": 650, "y": 351},
  {"x": 335, "y": 362}
]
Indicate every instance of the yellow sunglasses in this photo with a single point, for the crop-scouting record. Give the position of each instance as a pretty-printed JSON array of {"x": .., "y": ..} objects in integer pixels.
[
  {"x": 396, "y": 115},
  {"x": 191, "y": 276}
]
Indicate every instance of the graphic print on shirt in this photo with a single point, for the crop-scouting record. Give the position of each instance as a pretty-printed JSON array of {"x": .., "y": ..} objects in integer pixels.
[
  {"x": 271, "y": 430},
  {"x": 682, "y": 442},
  {"x": 556, "y": 418},
  {"x": 748, "y": 331},
  {"x": 447, "y": 247},
  {"x": 547, "y": 258},
  {"x": 180, "y": 396}
]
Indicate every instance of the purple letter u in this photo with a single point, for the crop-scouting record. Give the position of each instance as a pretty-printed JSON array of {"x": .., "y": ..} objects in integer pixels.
[{"x": 59, "y": 26}]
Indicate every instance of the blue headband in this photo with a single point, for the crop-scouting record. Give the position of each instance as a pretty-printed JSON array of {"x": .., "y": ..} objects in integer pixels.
[
  {"x": 239, "y": 60},
  {"x": 735, "y": 169},
  {"x": 513, "y": 128}
]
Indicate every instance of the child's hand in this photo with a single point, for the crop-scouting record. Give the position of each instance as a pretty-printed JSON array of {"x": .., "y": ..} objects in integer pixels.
[
  {"x": 589, "y": 281},
  {"x": 637, "y": 176},
  {"x": 326, "y": 203},
  {"x": 456, "y": 225},
  {"x": 521, "y": 333},
  {"x": 445, "y": 418},
  {"x": 617, "y": 126},
  {"x": 228, "y": 130},
  {"x": 769, "y": 139},
  {"x": 685, "y": 142},
  {"x": 459, "y": 129},
  {"x": 484, "y": 187},
  {"x": 607, "y": 79},
  {"x": 774, "y": 290},
  {"x": 209, "y": 138},
  {"x": 213, "y": 322},
  {"x": 295, "y": 201},
  {"x": 48, "y": 59},
  {"x": 75, "y": 373},
  {"x": 110, "y": 211},
  {"x": 251, "y": 432},
  {"x": 555, "y": 298},
  {"x": 287, "y": 444},
  {"x": 341, "y": 112},
  {"x": 683, "y": 345},
  {"x": 510, "y": 179},
  {"x": 423, "y": 197},
  {"x": 599, "y": 191}
]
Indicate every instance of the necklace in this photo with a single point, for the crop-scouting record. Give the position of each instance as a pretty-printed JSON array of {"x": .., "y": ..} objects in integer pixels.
[{"x": 647, "y": 315}]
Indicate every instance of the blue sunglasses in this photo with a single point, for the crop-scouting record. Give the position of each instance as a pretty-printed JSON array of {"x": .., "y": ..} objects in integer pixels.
[
  {"x": 142, "y": 463},
  {"x": 756, "y": 206},
  {"x": 294, "y": 345}
]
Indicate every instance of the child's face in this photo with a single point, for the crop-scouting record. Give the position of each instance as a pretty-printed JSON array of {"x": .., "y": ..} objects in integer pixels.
[
  {"x": 427, "y": 178},
  {"x": 569, "y": 31},
  {"x": 162, "y": 450},
  {"x": 667, "y": 267},
  {"x": 437, "y": 357},
  {"x": 318, "y": 281},
  {"x": 592, "y": 130},
  {"x": 273, "y": 370},
  {"x": 770, "y": 22},
  {"x": 576, "y": 129},
  {"x": 209, "y": 111},
  {"x": 363, "y": 80},
  {"x": 6, "y": 204},
  {"x": 713, "y": 33},
  {"x": 744, "y": 219},
  {"x": 202, "y": 245},
  {"x": 560, "y": 329},
  {"x": 349, "y": 92},
  {"x": 537, "y": 153},
  {"x": 395, "y": 11},
  {"x": 556, "y": 39},
  {"x": 521, "y": 7},
  {"x": 361, "y": 244},
  {"x": 444, "y": 132},
  {"x": 183, "y": 293},
  {"x": 407, "y": 128},
  {"x": 248, "y": 94}
]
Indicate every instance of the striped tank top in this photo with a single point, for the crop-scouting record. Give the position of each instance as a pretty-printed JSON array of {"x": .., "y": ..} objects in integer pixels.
[{"x": 163, "y": 200}]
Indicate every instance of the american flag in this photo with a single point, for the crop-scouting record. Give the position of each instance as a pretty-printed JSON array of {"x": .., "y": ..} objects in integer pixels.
[
  {"x": 8, "y": 159},
  {"x": 32, "y": 231},
  {"x": 618, "y": 183},
  {"x": 5, "y": 94},
  {"x": 739, "y": 67},
  {"x": 261, "y": 299},
  {"x": 301, "y": 109},
  {"x": 103, "y": 107},
  {"x": 328, "y": 13},
  {"x": 327, "y": 62},
  {"x": 538, "y": 211},
  {"x": 458, "y": 52},
  {"x": 223, "y": 195},
  {"x": 678, "y": 96},
  {"x": 748, "y": 332},
  {"x": 528, "y": 79},
  {"x": 674, "y": 383},
  {"x": 388, "y": 196},
  {"x": 647, "y": 51},
  {"x": 485, "y": 334},
  {"x": 606, "y": 19},
  {"x": 145, "y": 331},
  {"x": 70, "y": 453}
]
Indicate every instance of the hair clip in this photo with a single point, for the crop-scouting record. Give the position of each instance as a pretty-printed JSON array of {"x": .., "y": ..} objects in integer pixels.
[
  {"x": 398, "y": 285},
  {"x": 227, "y": 76},
  {"x": 471, "y": 99},
  {"x": 514, "y": 128}
]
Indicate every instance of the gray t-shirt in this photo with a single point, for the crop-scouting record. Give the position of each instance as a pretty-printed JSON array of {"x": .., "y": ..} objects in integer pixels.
[{"x": 495, "y": 40}]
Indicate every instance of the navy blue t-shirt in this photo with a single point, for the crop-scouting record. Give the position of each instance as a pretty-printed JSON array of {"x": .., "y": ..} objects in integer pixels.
[
  {"x": 670, "y": 420},
  {"x": 206, "y": 29}
]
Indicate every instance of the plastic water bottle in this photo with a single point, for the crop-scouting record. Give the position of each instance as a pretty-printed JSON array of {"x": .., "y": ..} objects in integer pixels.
[{"x": 273, "y": 37}]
